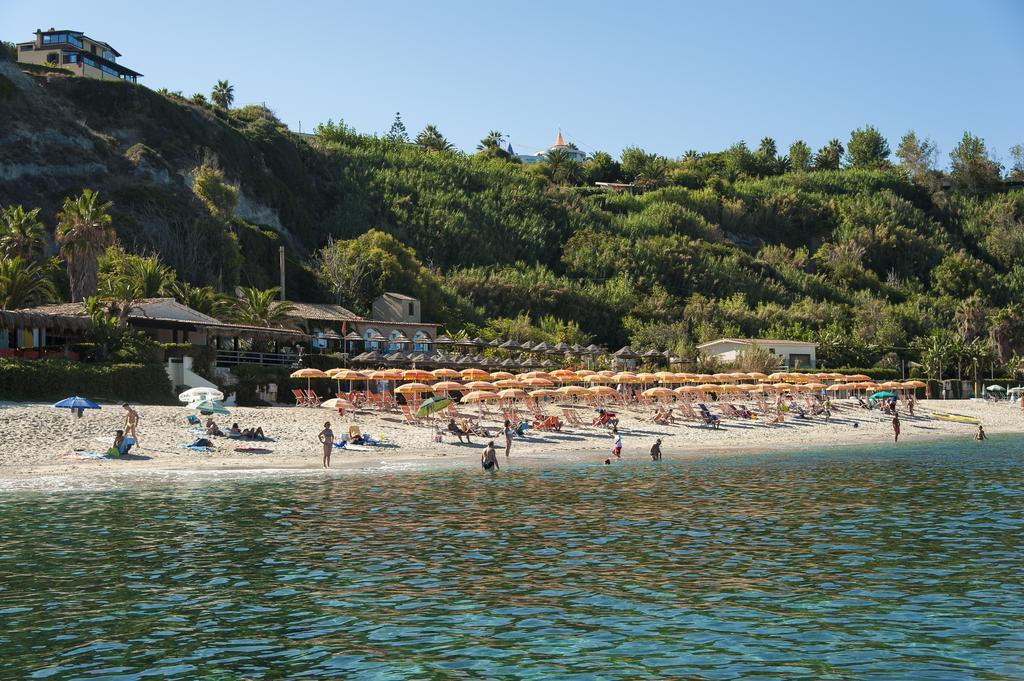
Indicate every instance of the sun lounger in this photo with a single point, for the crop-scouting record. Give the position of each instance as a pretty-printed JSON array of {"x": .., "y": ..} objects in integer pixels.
[
  {"x": 300, "y": 398},
  {"x": 708, "y": 418},
  {"x": 409, "y": 416},
  {"x": 312, "y": 399}
]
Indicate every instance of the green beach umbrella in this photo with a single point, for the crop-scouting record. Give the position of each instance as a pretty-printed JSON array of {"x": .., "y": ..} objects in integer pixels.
[
  {"x": 208, "y": 407},
  {"x": 883, "y": 395},
  {"x": 432, "y": 406}
]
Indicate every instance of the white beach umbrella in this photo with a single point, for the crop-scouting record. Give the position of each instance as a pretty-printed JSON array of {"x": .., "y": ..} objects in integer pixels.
[{"x": 201, "y": 393}]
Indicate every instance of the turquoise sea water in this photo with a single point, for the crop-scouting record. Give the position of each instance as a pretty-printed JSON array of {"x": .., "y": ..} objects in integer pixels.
[{"x": 846, "y": 564}]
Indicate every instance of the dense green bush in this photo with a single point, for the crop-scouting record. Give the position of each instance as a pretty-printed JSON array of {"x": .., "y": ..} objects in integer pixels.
[
  {"x": 52, "y": 380},
  {"x": 203, "y": 356}
]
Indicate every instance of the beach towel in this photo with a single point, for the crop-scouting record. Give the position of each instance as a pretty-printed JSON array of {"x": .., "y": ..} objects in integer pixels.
[
  {"x": 195, "y": 448},
  {"x": 84, "y": 456}
]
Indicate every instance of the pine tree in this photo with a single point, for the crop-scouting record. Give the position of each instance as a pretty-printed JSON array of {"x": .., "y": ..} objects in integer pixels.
[{"x": 397, "y": 133}]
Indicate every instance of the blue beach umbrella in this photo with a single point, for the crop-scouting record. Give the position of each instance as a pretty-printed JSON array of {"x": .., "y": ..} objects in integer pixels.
[
  {"x": 76, "y": 404},
  {"x": 883, "y": 396}
]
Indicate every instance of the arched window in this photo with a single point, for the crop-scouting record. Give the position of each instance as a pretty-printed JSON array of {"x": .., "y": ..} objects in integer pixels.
[
  {"x": 421, "y": 342},
  {"x": 368, "y": 336},
  {"x": 392, "y": 345}
]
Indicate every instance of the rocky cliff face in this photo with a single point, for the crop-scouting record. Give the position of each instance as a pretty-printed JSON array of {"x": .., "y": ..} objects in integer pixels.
[{"x": 139, "y": 148}]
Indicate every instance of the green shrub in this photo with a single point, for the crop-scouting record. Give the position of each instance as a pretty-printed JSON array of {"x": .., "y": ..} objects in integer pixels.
[
  {"x": 7, "y": 88},
  {"x": 203, "y": 356},
  {"x": 56, "y": 379}
]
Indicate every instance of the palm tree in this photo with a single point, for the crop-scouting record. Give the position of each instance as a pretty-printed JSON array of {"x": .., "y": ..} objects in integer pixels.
[
  {"x": 200, "y": 298},
  {"x": 431, "y": 138},
  {"x": 260, "y": 307},
  {"x": 1004, "y": 330},
  {"x": 23, "y": 284},
  {"x": 562, "y": 168},
  {"x": 151, "y": 277},
  {"x": 490, "y": 146},
  {"x": 84, "y": 232},
  {"x": 223, "y": 94},
  {"x": 21, "y": 233}
]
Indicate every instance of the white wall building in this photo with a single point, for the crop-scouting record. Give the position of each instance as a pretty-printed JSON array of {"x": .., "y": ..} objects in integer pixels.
[
  {"x": 541, "y": 156},
  {"x": 794, "y": 354}
]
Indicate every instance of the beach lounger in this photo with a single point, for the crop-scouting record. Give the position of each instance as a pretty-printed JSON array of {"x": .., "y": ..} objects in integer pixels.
[
  {"x": 409, "y": 416},
  {"x": 709, "y": 418},
  {"x": 300, "y": 399},
  {"x": 312, "y": 399}
]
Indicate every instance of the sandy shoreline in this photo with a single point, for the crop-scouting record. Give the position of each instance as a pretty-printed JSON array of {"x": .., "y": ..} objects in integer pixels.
[{"x": 35, "y": 435}]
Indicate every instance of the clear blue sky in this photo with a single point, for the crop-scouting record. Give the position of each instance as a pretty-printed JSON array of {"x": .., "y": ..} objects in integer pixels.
[{"x": 666, "y": 76}]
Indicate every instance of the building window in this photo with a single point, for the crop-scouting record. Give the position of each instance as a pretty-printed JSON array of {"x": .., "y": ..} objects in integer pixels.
[
  {"x": 421, "y": 342},
  {"x": 412, "y": 309},
  {"x": 368, "y": 335},
  {"x": 27, "y": 48},
  {"x": 52, "y": 58}
]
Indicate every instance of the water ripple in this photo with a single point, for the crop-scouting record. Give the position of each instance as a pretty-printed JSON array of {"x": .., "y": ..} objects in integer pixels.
[{"x": 818, "y": 565}]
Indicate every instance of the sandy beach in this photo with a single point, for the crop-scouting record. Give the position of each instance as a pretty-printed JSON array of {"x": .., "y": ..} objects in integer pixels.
[{"x": 36, "y": 436}]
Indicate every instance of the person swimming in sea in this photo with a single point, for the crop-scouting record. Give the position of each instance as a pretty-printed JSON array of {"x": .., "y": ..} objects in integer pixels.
[
  {"x": 980, "y": 435},
  {"x": 489, "y": 458},
  {"x": 656, "y": 450}
]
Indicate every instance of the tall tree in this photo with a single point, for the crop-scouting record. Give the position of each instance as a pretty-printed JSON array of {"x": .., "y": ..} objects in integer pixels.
[
  {"x": 829, "y": 156},
  {"x": 223, "y": 94},
  {"x": 219, "y": 197},
  {"x": 601, "y": 167},
  {"x": 397, "y": 133},
  {"x": 867, "y": 148},
  {"x": 23, "y": 284},
  {"x": 84, "y": 232},
  {"x": 260, "y": 307},
  {"x": 1017, "y": 169},
  {"x": 21, "y": 233},
  {"x": 917, "y": 154},
  {"x": 973, "y": 170},
  {"x": 562, "y": 168},
  {"x": 431, "y": 138},
  {"x": 767, "y": 149},
  {"x": 799, "y": 156},
  {"x": 492, "y": 145}
]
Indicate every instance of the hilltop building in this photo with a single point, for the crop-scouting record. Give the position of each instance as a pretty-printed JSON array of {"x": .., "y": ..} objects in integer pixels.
[
  {"x": 541, "y": 156},
  {"x": 75, "y": 52}
]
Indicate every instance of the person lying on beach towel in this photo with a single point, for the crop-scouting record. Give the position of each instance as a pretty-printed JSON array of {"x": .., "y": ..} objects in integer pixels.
[
  {"x": 247, "y": 434},
  {"x": 212, "y": 428}
]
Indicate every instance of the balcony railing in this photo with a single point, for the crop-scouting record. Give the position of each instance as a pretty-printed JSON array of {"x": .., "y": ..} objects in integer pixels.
[{"x": 230, "y": 358}]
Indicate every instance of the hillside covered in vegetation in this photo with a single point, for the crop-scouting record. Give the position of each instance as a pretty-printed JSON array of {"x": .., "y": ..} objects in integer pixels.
[{"x": 871, "y": 251}]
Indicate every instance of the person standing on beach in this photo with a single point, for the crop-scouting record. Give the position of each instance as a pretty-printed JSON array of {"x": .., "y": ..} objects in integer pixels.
[
  {"x": 326, "y": 438},
  {"x": 617, "y": 439},
  {"x": 489, "y": 459},
  {"x": 509, "y": 430},
  {"x": 895, "y": 427},
  {"x": 131, "y": 421},
  {"x": 656, "y": 450}
]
